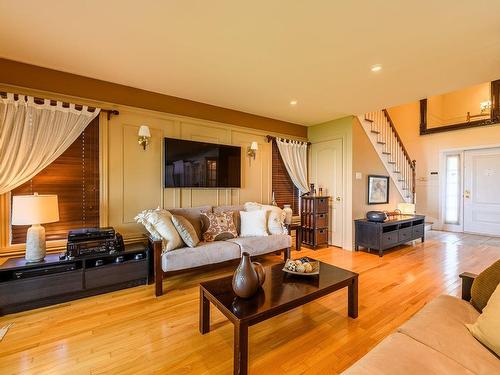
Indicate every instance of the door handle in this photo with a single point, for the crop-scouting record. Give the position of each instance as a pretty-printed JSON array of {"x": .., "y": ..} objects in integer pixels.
[
  {"x": 338, "y": 199},
  {"x": 467, "y": 194}
]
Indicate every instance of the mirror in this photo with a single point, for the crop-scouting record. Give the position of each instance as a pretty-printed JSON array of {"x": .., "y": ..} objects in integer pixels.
[{"x": 469, "y": 107}]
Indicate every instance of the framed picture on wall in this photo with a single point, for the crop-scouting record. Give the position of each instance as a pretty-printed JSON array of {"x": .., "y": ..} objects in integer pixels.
[{"x": 378, "y": 189}]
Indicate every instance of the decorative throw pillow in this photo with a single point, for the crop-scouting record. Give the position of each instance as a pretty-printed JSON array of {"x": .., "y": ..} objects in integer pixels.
[
  {"x": 486, "y": 329},
  {"x": 253, "y": 223},
  {"x": 186, "y": 230},
  {"x": 275, "y": 216},
  {"x": 218, "y": 226},
  {"x": 159, "y": 223},
  {"x": 484, "y": 285}
]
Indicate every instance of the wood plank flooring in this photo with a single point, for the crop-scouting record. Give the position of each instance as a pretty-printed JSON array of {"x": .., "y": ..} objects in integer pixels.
[{"x": 132, "y": 332}]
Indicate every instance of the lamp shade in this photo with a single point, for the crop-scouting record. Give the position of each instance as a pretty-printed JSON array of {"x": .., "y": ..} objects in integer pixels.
[
  {"x": 254, "y": 146},
  {"x": 406, "y": 208},
  {"x": 34, "y": 209},
  {"x": 144, "y": 131}
]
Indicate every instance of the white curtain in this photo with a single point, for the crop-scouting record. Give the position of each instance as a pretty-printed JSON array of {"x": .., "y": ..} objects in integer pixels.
[
  {"x": 294, "y": 155},
  {"x": 33, "y": 135}
]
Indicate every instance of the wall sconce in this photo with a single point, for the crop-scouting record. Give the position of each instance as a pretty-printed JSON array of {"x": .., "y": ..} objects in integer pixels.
[
  {"x": 144, "y": 135},
  {"x": 252, "y": 150}
]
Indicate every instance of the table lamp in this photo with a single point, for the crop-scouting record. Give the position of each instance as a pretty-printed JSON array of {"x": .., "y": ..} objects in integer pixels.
[{"x": 35, "y": 210}]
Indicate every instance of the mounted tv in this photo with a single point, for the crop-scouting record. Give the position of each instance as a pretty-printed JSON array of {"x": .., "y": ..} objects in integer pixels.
[{"x": 190, "y": 164}]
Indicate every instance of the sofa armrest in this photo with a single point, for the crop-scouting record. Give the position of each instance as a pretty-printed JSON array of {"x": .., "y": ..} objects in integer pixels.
[
  {"x": 156, "y": 250},
  {"x": 467, "y": 280}
]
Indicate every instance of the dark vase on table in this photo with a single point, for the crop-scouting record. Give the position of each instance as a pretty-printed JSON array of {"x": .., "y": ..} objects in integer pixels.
[{"x": 246, "y": 280}]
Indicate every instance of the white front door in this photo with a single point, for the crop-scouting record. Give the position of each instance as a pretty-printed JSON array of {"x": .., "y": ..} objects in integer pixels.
[
  {"x": 326, "y": 173},
  {"x": 482, "y": 191}
]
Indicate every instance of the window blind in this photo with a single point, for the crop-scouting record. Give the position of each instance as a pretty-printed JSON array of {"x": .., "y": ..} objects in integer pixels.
[
  {"x": 74, "y": 177},
  {"x": 284, "y": 190}
]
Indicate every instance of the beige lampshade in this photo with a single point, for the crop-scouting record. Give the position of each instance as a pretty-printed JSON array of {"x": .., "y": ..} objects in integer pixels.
[
  {"x": 406, "y": 208},
  {"x": 34, "y": 209},
  {"x": 144, "y": 131},
  {"x": 254, "y": 146}
]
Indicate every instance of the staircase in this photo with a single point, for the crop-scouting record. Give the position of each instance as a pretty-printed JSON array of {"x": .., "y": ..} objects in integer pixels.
[{"x": 385, "y": 139}]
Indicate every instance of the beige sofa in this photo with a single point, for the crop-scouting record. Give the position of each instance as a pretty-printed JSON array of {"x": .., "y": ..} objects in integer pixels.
[
  {"x": 207, "y": 253},
  {"x": 434, "y": 341}
]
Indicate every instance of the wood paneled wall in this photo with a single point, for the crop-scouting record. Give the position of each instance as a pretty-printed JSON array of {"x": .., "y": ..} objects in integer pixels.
[{"x": 136, "y": 176}]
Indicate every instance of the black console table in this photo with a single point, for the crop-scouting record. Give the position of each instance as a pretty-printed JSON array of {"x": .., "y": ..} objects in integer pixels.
[
  {"x": 392, "y": 232},
  {"x": 25, "y": 286}
]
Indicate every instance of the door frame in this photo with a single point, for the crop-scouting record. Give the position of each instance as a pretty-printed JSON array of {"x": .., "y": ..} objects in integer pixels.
[
  {"x": 442, "y": 184},
  {"x": 347, "y": 231}
]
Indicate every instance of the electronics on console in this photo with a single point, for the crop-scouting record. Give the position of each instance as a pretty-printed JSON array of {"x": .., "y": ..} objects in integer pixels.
[{"x": 93, "y": 241}]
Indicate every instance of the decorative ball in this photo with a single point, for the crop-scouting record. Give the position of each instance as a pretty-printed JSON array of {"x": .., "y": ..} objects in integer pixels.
[
  {"x": 300, "y": 268},
  {"x": 308, "y": 267},
  {"x": 298, "y": 262}
]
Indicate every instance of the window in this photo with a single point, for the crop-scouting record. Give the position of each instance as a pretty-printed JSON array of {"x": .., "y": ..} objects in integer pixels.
[
  {"x": 284, "y": 190},
  {"x": 74, "y": 177},
  {"x": 452, "y": 190}
]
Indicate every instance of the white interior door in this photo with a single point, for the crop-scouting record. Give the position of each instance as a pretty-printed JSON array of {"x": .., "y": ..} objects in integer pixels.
[
  {"x": 482, "y": 191},
  {"x": 326, "y": 173}
]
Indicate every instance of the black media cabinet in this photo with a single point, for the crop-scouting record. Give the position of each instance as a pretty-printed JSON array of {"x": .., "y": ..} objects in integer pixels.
[
  {"x": 392, "y": 232},
  {"x": 25, "y": 286}
]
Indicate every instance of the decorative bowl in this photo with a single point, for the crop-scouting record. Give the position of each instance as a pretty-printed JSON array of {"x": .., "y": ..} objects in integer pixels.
[{"x": 314, "y": 265}]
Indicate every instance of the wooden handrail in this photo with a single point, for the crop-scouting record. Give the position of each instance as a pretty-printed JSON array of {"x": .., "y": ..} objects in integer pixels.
[{"x": 411, "y": 163}]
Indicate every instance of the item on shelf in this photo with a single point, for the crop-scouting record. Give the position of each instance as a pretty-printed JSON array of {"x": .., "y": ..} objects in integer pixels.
[
  {"x": 139, "y": 256},
  {"x": 119, "y": 259},
  {"x": 302, "y": 266},
  {"x": 261, "y": 272},
  {"x": 91, "y": 241},
  {"x": 313, "y": 190},
  {"x": 273, "y": 202},
  {"x": 99, "y": 262},
  {"x": 245, "y": 279},
  {"x": 376, "y": 216},
  {"x": 320, "y": 192},
  {"x": 288, "y": 213}
]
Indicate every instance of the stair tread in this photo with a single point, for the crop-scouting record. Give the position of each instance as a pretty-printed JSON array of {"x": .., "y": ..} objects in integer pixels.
[
  {"x": 375, "y": 131},
  {"x": 386, "y": 152},
  {"x": 391, "y": 162},
  {"x": 381, "y": 143},
  {"x": 367, "y": 119}
]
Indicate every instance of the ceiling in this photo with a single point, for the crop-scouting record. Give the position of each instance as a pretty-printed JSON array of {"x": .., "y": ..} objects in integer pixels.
[{"x": 257, "y": 56}]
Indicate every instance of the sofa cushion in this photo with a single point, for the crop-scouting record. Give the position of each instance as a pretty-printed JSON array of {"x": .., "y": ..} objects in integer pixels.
[
  {"x": 484, "y": 285},
  {"x": 186, "y": 230},
  {"x": 218, "y": 226},
  {"x": 399, "y": 354},
  {"x": 204, "y": 253},
  {"x": 263, "y": 245},
  {"x": 487, "y": 327},
  {"x": 275, "y": 216},
  {"x": 253, "y": 223},
  {"x": 235, "y": 209},
  {"x": 193, "y": 215},
  {"x": 441, "y": 325},
  {"x": 159, "y": 224}
]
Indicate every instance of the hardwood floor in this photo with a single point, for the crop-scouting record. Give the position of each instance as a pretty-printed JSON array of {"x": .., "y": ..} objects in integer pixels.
[{"x": 132, "y": 332}]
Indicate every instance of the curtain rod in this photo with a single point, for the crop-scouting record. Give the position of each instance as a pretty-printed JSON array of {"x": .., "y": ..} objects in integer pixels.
[
  {"x": 270, "y": 138},
  {"x": 53, "y": 102}
]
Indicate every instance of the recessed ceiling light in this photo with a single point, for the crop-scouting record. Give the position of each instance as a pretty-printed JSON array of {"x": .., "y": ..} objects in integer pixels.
[
  {"x": 376, "y": 68},
  {"x": 293, "y": 102}
]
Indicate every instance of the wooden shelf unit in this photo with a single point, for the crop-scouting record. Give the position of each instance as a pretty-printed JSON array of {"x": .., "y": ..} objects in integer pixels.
[
  {"x": 314, "y": 220},
  {"x": 58, "y": 281}
]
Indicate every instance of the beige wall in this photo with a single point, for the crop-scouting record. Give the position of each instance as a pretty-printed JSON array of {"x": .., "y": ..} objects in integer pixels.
[
  {"x": 426, "y": 151},
  {"x": 366, "y": 161},
  {"x": 135, "y": 175}
]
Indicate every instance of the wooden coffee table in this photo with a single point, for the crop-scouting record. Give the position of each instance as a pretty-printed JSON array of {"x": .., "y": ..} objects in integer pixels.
[{"x": 281, "y": 292}]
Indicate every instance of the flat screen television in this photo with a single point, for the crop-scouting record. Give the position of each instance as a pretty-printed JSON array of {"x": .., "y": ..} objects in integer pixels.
[{"x": 201, "y": 165}]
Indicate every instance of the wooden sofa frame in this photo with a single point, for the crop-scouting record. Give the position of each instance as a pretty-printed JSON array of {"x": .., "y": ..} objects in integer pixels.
[
  {"x": 156, "y": 250},
  {"x": 467, "y": 280}
]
